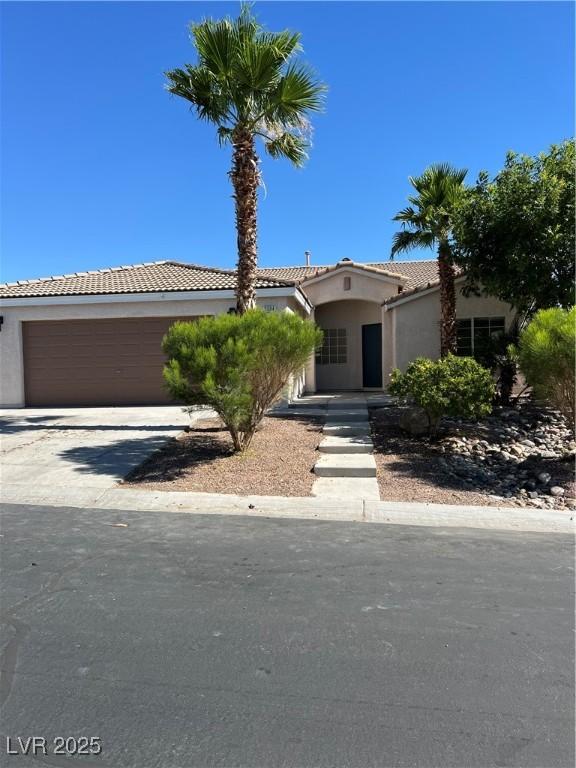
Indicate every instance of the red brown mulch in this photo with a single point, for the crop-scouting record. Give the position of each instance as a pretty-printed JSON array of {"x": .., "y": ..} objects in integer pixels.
[{"x": 278, "y": 462}]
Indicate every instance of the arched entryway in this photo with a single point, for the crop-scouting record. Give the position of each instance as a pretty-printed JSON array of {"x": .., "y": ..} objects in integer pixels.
[{"x": 351, "y": 355}]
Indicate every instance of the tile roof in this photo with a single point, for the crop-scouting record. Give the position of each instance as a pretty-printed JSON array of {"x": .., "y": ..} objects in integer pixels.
[
  {"x": 416, "y": 272},
  {"x": 166, "y": 276},
  {"x": 153, "y": 277}
]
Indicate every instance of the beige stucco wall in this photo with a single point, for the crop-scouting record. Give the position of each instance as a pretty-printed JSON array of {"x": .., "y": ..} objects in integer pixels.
[
  {"x": 417, "y": 324},
  {"x": 11, "y": 351},
  {"x": 363, "y": 287},
  {"x": 350, "y": 315}
]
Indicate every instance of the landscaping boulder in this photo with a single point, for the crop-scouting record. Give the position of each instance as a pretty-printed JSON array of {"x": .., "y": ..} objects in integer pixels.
[{"x": 414, "y": 421}]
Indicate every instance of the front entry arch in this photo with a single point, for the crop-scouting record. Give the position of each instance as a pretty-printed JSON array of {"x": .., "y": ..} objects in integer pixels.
[{"x": 346, "y": 360}]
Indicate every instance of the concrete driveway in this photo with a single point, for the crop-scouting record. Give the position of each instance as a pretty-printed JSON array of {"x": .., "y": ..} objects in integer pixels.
[{"x": 72, "y": 448}]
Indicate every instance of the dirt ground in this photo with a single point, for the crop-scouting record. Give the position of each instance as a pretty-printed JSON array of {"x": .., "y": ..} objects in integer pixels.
[{"x": 278, "y": 462}]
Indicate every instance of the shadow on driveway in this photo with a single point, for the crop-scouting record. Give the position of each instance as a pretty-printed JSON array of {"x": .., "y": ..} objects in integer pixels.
[
  {"x": 12, "y": 426},
  {"x": 116, "y": 458}
]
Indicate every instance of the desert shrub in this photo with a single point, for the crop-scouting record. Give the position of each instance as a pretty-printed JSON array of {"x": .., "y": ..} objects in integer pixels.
[
  {"x": 547, "y": 358},
  {"x": 237, "y": 364},
  {"x": 451, "y": 386}
]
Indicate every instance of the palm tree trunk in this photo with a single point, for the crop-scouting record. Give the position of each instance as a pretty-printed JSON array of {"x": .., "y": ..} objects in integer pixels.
[
  {"x": 245, "y": 178},
  {"x": 447, "y": 301}
]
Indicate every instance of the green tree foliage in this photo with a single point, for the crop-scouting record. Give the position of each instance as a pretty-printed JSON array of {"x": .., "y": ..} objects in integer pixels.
[
  {"x": 249, "y": 83},
  {"x": 547, "y": 358},
  {"x": 237, "y": 364},
  {"x": 515, "y": 234},
  {"x": 451, "y": 386}
]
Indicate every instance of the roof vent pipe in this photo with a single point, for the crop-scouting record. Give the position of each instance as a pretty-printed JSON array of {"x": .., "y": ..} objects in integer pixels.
[{"x": 307, "y": 257}]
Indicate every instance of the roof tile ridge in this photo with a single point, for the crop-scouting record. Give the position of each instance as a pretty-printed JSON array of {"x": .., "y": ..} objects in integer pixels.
[{"x": 84, "y": 273}]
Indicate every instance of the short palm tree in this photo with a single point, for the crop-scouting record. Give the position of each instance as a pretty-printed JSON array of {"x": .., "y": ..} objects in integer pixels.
[
  {"x": 247, "y": 82},
  {"x": 427, "y": 223}
]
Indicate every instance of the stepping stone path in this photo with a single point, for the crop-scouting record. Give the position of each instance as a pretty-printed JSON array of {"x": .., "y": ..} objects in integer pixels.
[{"x": 345, "y": 468}]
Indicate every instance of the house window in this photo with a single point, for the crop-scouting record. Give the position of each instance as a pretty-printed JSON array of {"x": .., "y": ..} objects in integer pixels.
[
  {"x": 334, "y": 347},
  {"x": 475, "y": 332}
]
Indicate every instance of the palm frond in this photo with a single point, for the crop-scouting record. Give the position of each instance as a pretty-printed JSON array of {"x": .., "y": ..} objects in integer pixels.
[
  {"x": 299, "y": 91},
  {"x": 200, "y": 87},
  {"x": 246, "y": 79},
  {"x": 290, "y": 146},
  {"x": 285, "y": 44},
  {"x": 407, "y": 240},
  {"x": 215, "y": 42},
  {"x": 410, "y": 216},
  {"x": 256, "y": 66}
]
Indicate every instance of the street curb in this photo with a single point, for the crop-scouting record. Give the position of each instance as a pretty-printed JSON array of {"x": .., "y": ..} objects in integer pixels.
[{"x": 356, "y": 510}]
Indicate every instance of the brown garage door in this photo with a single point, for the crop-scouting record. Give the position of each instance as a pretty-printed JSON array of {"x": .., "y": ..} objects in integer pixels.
[{"x": 95, "y": 362}]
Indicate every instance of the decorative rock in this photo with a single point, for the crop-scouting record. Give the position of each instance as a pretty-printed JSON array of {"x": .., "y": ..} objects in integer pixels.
[
  {"x": 556, "y": 490},
  {"x": 500, "y": 455},
  {"x": 414, "y": 421}
]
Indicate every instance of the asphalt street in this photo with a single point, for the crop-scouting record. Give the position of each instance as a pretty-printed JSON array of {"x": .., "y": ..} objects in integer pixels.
[{"x": 180, "y": 640}]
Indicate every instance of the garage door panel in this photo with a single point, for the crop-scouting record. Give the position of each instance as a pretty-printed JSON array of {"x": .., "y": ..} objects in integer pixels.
[{"x": 95, "y": 362}]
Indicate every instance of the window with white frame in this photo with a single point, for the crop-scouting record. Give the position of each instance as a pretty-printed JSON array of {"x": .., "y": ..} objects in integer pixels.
[
  {"x": 333, "y": 350},
  {"x": 474, "y": 332}
]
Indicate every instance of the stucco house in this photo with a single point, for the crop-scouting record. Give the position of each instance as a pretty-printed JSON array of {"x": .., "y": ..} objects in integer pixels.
[{"x": 93, "y": 338}]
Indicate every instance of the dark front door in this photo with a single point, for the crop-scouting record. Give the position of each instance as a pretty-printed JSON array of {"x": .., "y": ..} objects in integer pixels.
[{"x": 372, "y": 355}]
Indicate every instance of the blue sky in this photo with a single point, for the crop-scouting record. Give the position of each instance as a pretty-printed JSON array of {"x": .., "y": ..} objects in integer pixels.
[{"x": 101, "y": 167}]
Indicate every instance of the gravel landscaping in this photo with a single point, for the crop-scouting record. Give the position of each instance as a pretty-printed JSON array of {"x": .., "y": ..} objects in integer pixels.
[
  {"x": 521, "y": 456},
  {"x": 278, "y": 463}
]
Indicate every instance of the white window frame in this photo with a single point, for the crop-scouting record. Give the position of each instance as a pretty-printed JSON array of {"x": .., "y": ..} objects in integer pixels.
[{"x": 334, "y": 347}]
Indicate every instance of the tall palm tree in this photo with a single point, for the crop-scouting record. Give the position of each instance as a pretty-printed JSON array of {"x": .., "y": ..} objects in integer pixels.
[
  {"x": 248, "y": 83},
  {"x": 427, "y": 223}
]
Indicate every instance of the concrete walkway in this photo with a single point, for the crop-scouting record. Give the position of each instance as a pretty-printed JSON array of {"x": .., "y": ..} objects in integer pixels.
[{"x": 345, "y": 468}]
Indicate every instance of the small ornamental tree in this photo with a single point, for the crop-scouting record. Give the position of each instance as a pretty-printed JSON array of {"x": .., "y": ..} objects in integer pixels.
[
  {"x": 515, "y": 234},
  {"x": 547, "y": 358},
  {"x": 237, "y": 364},
  {"x": 451, "y": 386}
]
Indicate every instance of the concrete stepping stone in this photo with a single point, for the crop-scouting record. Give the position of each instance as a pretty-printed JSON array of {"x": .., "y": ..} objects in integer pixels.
[
  {"x": 309, "y": 402},
  {"x": 346, "y": 444},
  {"x": 345, "y": 465},
  {"x": 339, "y": 405},
  {"x": 300, "y": 412},
  {"x": 349, "y": 414},
  {"x": 346, "y": 428},
  {"x": 344, "y": 488}
]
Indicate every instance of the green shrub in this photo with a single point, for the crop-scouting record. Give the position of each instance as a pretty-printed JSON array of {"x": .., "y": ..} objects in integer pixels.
[
  {"x": 237, "y": 364},
  {"x": 451, "y": 386},
  {"x": 547, "y": 358}
]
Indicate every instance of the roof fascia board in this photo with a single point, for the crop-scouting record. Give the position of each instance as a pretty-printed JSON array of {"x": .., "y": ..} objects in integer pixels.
[
  {"x": 113, "y": 298},
  {"x": 416, "y": 295}
]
